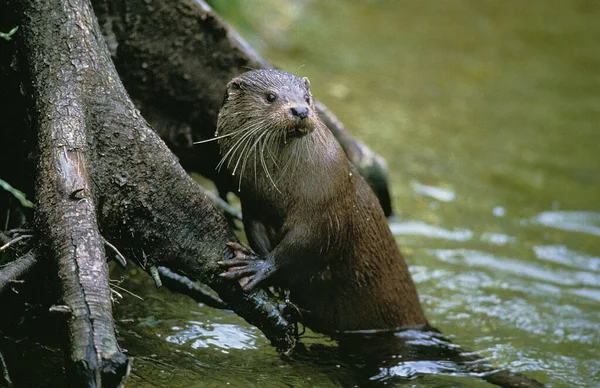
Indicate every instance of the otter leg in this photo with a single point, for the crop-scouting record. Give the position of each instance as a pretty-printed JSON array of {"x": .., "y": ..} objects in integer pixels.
[
  {"x": 295, "y": 259},
  {"x": 246, "y": 267}
]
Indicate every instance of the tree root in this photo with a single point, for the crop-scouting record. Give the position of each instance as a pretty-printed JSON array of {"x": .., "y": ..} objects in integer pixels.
[
  {"x": 186, "y": 286},
  {"x": 66, "y": 209},
  {"x": 17, "y": 269},
  {"x": 103, "y": 175}
]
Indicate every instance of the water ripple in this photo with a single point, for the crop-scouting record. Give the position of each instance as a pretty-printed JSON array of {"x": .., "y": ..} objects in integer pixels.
[
  {"x": 563, "y": 255},
  {"x": 439, "y": 193},
  {"x": 422, "y": 229},
  {"x": 498, "y": 238},
  {"x": 516, "y": 267},
  {"x": 575, "y": 221},
  {"x": 203, "y": 335}
]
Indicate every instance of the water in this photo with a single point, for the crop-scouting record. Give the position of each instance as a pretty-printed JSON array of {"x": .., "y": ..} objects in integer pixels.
[{"x": 487, "y": 113}]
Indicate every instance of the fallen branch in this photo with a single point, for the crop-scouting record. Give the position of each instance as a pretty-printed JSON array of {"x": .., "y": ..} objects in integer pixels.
[
  {"x": 5, "y": 381},
  {"x": 17, "y": 269},
  {"x": 14, "y": 241}
]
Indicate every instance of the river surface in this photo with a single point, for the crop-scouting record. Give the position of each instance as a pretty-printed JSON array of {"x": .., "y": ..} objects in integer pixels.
[{"x": 488, "y": 114}]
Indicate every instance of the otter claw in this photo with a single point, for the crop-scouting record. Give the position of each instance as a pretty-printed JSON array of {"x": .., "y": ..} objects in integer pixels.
[
  {"x": 238, "y": 261},
  {"x": 244, "y": 283},
  {"x": 239, "y": 273},
  {"x": 250, "y": 282},
  {"x": 245, "y": 267},
  {"x": 237, "y": 247}
]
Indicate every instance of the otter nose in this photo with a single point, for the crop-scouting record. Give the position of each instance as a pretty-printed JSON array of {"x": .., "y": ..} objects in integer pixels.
[{"x": 300, "y": 111}]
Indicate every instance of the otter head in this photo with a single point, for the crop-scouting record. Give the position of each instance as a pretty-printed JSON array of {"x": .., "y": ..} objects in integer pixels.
[
  {"x": 263, "y": 116},
  {"x": 272, "y": 100}
]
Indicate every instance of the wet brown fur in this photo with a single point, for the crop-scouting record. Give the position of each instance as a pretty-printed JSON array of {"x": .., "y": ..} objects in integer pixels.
[{"x": 315, "y": 223}]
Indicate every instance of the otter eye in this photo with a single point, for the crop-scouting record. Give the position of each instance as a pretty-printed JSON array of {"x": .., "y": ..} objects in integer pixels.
[
  {"x": 307, "y": 99},
  {"x": 271, "y": 97}
]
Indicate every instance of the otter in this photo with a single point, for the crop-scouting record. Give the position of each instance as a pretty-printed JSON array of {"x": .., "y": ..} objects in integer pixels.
[{"x": 315, "y": 225}]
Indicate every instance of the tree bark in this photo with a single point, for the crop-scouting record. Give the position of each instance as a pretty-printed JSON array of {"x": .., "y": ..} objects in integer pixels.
[
  {"x": 102, "y": 171},
  {"x": 60, "y": 49}
]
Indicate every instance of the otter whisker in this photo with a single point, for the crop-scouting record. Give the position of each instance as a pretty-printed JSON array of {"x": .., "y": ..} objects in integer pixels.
[
  {"x": 245, "y": 154},
  {"x": 288, "y": 162},
  {"x": 235, "y": 146},
  {"x": 268, "y": 134},
  {"x": 311, "y": 149},
  {"x": 244, "y": 146},
  {"x": 257, "y": 156},
  {"x": 296, "y": 152},
  {"x": 218, "y": 137},
  {"x": 259, "y": 144},
  {"x": 272, "y": 135},
  {"x": 305, "y": 149},
  {"x": 229, "y": 152},
  {"x": 266, "y": 169}
]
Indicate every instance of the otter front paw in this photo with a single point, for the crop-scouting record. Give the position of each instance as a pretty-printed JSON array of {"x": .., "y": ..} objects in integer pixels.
[{"x": 246, "y": 267}]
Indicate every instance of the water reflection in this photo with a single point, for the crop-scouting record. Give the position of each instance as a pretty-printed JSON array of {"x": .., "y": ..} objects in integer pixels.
[
  {"x": 516, "y": 267},
  {"x": 431, "y": 231},
  {"x": 498, "y": 238},
  {"x": 562, "y": 255},
  {"x": 380, "y": 358},
  {"x": 204, "y": 335},
  {"x": 576, "y": 221},
  {"x": 440, "y": 193}
]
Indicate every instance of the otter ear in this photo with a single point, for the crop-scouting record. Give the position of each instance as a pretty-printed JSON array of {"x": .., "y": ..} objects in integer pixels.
[
  {"x": 306, "y": 82},
  {"x": 235, "y": 84}
]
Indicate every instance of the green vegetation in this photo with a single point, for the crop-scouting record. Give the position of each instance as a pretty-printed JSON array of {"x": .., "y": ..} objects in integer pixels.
[
  {"x": 8, "y": 35},
  {"x": 16, "y": 193}
]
